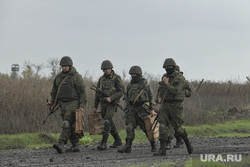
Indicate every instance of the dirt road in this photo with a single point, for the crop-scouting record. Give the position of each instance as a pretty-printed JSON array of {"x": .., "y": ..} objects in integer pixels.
[{"x": 141, "y": 154}]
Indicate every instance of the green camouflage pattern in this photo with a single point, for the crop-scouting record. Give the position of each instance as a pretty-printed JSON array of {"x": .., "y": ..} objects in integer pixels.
[
  {"x": 69, "y": 105},
  {"x": 171, "y": 111},
  {"x": 136, "y": 115},
  {"x": 113, "y": 86}
]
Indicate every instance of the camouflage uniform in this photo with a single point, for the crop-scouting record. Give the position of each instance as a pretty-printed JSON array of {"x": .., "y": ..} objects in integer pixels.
[
  {"x": 170, "y": 113},
  {"x": 112, "y": 85},
  {"x": 140, "y": 108},
  {"x": 71, "y": 96}
]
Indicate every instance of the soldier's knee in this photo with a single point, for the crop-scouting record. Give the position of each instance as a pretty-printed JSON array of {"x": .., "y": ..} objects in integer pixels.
[
  {"x": 129, "y": 128},
  {"x": 66, "y": 124},
  {"x": 107, "y": 124}
]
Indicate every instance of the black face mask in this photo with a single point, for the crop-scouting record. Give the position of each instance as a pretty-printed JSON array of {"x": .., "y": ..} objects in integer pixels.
[
  {"x": 135, "y": 79},
  {"x": 170, "y": 70}
]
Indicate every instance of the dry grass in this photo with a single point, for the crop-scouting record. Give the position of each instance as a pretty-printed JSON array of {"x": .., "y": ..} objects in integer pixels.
[{"x": 23, "y": 104}]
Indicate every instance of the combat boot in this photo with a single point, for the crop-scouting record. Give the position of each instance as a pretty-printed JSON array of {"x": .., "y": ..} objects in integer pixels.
[
  {"x": 117, "y": 141},
  {"x": 162, "y": 150},
  {"x": 103, "y": 145},
  {"x": 168, "y": 145},
  {"x": 189, "y": 146},
  {"x": 153, "y": 146},
  {"x": 59, "y": 146},
  {"x": 179, "y": 142},
  {"x": 127, "y": 147},
  {"x": 74, "y": 148}
]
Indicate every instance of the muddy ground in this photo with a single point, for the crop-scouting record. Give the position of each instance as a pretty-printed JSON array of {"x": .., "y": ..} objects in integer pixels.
[{"x": 141, "y": 154}]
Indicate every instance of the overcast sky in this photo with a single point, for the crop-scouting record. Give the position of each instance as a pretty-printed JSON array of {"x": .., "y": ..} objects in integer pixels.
[{"x": 208, "y": 39}]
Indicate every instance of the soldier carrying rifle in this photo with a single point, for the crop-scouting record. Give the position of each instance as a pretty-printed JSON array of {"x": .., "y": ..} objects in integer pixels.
[
  {"x": 69, "y": 92},
  {"x": 140, "y": 98},
  {"x": 110, "y": 86}
]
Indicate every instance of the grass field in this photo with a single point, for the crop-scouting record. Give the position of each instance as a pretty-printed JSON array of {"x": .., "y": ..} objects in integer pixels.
[{"x": 238, "y": 128}]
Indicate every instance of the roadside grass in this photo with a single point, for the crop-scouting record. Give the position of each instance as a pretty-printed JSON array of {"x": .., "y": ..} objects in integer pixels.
[{"x": 239, "y": 128}]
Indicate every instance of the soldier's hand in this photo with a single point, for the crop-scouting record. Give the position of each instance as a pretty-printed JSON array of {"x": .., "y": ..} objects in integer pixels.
[
  {"x": 152, "y": 112},
  {"x": 81, "y": 108},
  {"x": 108, "y": 99},
  {"x": 49, "y": 104},
  {"x": 165, "y": 80},
  {"x": 94, "y": 110}
]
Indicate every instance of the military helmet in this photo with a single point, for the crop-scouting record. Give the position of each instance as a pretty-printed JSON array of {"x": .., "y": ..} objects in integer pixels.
[
  {"x": 66, "y": 61},
  {"x": 177, "y": 68},
  {"x": 135, "y": 70},
  {"x": 169, "y": 62},
  {"x": 106, "y": 64}
]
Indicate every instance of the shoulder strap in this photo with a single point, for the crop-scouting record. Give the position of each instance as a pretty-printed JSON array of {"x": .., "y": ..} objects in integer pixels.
[
  {"x": 59, "y": 89},
  {"x": 140, "y": 93}
]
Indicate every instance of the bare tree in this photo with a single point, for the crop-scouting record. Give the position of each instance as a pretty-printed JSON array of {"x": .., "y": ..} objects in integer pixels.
[
  {"x": 28, "y": 71},
  {"x": 38, "y": 67},
  {"x": 54, "y": 66}
]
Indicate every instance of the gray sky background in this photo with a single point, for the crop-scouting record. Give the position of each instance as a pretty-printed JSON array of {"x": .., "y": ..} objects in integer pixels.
[{"x": 209, "y": 39}]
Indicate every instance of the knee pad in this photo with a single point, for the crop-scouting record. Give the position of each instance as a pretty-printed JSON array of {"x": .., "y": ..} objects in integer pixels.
[
  {"x": 66, "y": 125},
  {"x": 106, "y": 124}
]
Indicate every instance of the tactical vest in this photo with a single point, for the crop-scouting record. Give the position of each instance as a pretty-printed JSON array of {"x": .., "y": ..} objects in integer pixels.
[
  {"x": 107, "y": 84},
  {"x": 134, "y": 89},
  {"x": 170, "y": 96},
  {"x": 68, "y": 91}
]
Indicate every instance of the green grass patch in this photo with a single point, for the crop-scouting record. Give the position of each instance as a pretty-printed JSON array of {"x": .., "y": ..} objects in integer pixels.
[{"x": 238, "y": 128}]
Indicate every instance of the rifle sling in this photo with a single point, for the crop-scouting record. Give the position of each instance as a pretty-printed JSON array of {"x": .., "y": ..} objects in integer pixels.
[
  {"x": 140, "y": 94},
  {"x": 59, "y": 90}
]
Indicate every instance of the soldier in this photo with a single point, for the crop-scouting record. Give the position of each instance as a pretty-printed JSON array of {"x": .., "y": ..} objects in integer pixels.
[
  {"x": 69, "y": 92},
  {"x": 112, "y": 85},
  {"x": 171, "y": 94},
  {"x": 188, "y": 92},
  {"x": 140, "y": 98}
]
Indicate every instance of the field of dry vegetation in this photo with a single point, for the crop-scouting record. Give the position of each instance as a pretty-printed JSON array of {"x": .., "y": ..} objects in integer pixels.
[{"x": 23, "y": 104}]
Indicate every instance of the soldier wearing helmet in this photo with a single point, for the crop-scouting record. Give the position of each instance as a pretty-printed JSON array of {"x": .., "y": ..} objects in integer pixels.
[
  {"x": 140, "y": 97},
  {"x": 112, "y": 85},
  {"x": 171, "y": 93},
  {"x": 68, "y": 91}
]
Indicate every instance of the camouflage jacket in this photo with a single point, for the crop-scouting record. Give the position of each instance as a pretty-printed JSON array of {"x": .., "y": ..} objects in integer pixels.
[
  {"x": 73, "y": 88},
  {"x": 112, "y": 85}
]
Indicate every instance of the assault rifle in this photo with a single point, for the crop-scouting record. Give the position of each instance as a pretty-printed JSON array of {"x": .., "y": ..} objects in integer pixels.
[
  {"x": 52, "y": 110},
  {"x": 95, "y": 88}
]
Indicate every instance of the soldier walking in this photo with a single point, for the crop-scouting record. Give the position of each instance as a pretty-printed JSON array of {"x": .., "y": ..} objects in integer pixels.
[
  {"x": 112, "y": 85},
  {"x": 140, "y": 98},
  {"x": 69, "y": 92},
  {"x": 171, "y": 95}
]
